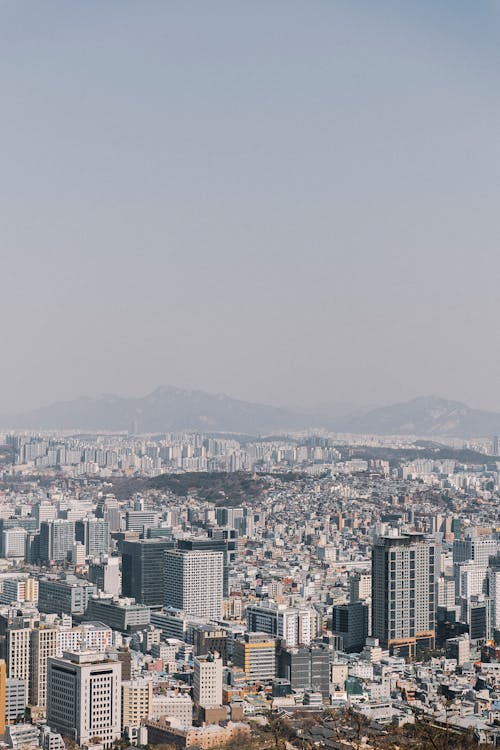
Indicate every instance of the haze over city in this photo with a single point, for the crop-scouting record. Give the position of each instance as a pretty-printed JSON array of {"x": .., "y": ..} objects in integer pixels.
[{"x": 291, "y": 203}]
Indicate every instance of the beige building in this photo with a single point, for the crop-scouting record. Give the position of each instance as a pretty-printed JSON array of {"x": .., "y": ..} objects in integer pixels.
[
  {"x": 207, "y": 680},
  {"x": 43, "y": 644},
  {"x": 17, "y": 655},
  {"x": 137, "y": 702},
  {"x": 84, "y": 697},
  {"x": 208, "y": 737},
  {"x": 175, "y": 706}
]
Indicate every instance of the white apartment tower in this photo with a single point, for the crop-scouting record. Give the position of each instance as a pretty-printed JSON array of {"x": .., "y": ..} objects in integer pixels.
[
  {"x": 84, "y": 697},
  {"x": 194, "y": 582}
]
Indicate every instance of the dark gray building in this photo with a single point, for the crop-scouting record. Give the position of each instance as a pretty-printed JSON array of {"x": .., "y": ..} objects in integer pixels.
[
  {"x": 68, "y": 595},
  {"x": 350, "y": 622},
  {"x": 143, "y": 570},
  {"x": 306, "y": 668}
]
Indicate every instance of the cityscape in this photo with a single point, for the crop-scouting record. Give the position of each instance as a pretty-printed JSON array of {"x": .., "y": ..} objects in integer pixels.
[
  {"x": 185, "y": 589},
  {"x": 250, "y": 375}
]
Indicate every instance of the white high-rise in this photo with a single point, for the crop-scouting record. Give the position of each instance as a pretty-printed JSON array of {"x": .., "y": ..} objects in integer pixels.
[
  {"x": 290, "y": 624},
  {"x": 84, "y": 697},
  {"x": 194, "y": 582},
  {"x": 207, "y": 680}
]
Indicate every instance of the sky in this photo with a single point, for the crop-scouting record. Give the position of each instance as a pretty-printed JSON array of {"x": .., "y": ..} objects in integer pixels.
[{"x": 289, "y": 202}]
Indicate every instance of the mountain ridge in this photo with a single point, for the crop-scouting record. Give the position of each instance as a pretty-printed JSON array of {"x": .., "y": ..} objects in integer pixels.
[
  {"x": 430, "y": 416},
  {"x": 166, "y": 409},
  {"x": 172, "y": 409}
]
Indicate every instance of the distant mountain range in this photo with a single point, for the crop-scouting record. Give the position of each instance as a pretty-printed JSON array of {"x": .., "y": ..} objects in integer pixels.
[
  {"x": 427, "y": 416},
  {"x": 170, "y": 409},
  {"x": 167, "y": 409}
]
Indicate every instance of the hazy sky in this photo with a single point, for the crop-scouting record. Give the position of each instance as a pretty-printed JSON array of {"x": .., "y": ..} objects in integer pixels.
[{"x": 287, "y": 201}]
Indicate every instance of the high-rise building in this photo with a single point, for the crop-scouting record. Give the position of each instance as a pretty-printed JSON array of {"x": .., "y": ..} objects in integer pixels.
[
  {"x": 15, "y": 700},
  {"x": 210, "y": 544},
  {"x": 477, "y": 548},
  {"x": 56, "y": 540},
  {"x": 43, "y": 644},
  {"x": 44, "y": 511},
  {"x": 496, "y": 445},
  {"x": 93, "y": 533},
  {"x": 360, "y": 586},
  {"x": 291, "y": 625},
  {"x": 105, "y": 572},
  {"x": 207, "y": 681},
  {"x": 194, "y": 582},
  {"x": 256, "y": 655},
  {"x": 84, "y": 697},
  {"x": 350, "y": 621},
  {"x": 140, "y": 520},
  {"x": 14, "y": 543},
  {"x": 143, "y": 570},
  {"x": 17, "y": 654},
  {"x": 403, "y": 593},
  {"x": 306, "y": 668}
]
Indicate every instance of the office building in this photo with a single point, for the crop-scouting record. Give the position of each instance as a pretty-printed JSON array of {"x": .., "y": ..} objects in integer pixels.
[
  {"x": 84, "y": 697},
  {"x": 93, "y": 533},
  {"x": 350, "y": 622},
  {"x": 137, "y": 702},
  {"x": 21, "y": 736},
  {"x": 292, "y": 625},
  {"x": 207, "y": 681},
  {"x": 120, "y": 614},
  {"x": 43, "y": 644},
  {"x": 256, "y": 655},
  {"x": 69, "y": 595},
  {"x": 360, "y": 586},
  {"x": 56, "y": 540},
  {"x": 194, "y": 582},
  {"x": 15, "y": 700},
  {"x": 19, "y": 590},
  {"x": 210, "y": 544},
  {"x": 173, "y": 705},
  {"x": 88, "y": 636},
  {"x": 476, "y": 548},
  {"x": 143, "y": 570},
  {"x": 16, "y": 651},
  {"x": 403, "y": 593},
  {"x": 43, "y": 511},
  {"x": 306, "y": 668},
  {"x": 140, "y": 520},
  {"x": 14, "y": 543},
  {"x": 104, "y": 572},
  {"x": 50, "y": 740}
]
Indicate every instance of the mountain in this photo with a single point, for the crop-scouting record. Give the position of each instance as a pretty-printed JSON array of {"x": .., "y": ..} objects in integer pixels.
[
  {"x": 167, "y": 409},
  {"x": 426, "y": 415}
]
